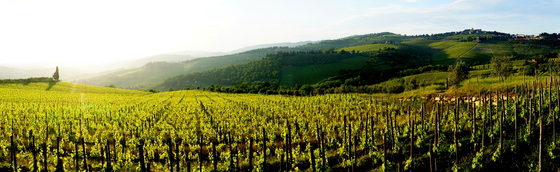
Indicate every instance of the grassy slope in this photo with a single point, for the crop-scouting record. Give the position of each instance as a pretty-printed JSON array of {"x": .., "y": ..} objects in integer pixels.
[
  {"x": 496, "y": 48},
  {"x": 366, "y": 48},
  {"x": 432, "y": 84},
  {"x": 356, "y": 40},
  {"x": 420, "y": 41},
  {"x": 470, "y": 52},
  {"x": 63, "y": 88},
  {"x": 429, "y": 78},
  {"x": 422, "y": 80},
  {"x": 480, "y": 79},
  {"x": 450, "y": 50}
]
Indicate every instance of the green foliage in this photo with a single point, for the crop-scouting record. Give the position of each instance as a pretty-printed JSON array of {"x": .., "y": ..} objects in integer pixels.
[
  {"x": 313, "y": 57},
  {"x": 402, "y": 57},
  {"x": 27, "y": 81},
  {"x": 423, "y": 69},
  {"x": 409, "y": 83},
  {"x": 458, "y": 73},
  {"x": 502, "y": 67},
  {"x": 477, "y": 161},
  {"x": 541, "y": 65},
  {"x": 530, "y": 69},
  {"x": 312, "y": 74},
  {"x": 394, "y": 86},
  {"x": 305, "y": 90}
]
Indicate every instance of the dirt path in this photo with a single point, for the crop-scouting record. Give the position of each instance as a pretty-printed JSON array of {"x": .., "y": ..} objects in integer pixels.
[{"x": 458, "y": 57}]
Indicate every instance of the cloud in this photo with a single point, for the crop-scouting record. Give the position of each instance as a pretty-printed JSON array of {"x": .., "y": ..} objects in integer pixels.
[
  {"x": 471, "y": 4},
  {"x": 458, "y": 14}
]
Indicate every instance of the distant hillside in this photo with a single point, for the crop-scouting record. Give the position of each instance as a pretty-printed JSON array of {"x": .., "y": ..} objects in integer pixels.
[
  {"x": 198, "y": 54},
  {"x": 240, "y": 50},
  {"x": 136, "y": 78},
  {"x": 284, "y": 44},
  {"x": 142, "y": 78},
  {"x": 164, "y": 58},
  {"x": 136, "y": 63},
  {"x": 155, "y": 72}
]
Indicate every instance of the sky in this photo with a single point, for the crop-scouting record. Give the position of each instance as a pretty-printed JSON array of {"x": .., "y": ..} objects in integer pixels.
[{"x": 33, "y": 31}]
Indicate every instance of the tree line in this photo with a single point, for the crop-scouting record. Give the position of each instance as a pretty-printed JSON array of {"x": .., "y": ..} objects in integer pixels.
[
  {"x": 55, "y": 78},
  {"x": 365, "y": 80}
]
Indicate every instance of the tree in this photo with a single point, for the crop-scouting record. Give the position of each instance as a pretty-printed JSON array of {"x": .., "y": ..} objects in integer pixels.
[
  {"x": 305, "y": 90},
  {"x": 56, "y": 75},
  {"x": 459, "y": 72},
  {"x": 501, "y": 67}
]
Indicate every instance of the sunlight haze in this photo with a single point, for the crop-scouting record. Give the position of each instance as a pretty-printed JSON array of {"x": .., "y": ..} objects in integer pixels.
[
  {"x": 103, "y": 31},
  {"x": 279, "y": 85}
]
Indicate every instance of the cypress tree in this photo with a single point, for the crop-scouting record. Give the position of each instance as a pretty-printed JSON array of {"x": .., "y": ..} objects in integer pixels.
[{"x": 56, "y": 76}]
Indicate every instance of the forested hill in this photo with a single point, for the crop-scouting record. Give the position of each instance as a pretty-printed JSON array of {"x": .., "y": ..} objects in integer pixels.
[{"x": 284, "y": 68}]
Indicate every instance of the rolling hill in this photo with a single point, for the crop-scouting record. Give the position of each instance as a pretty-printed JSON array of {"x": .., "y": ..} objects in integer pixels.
[
  {"x": 156, "y": 72},
  {"x": 148, "y": 76},
  {"x": 356, "y": 58},
  {"x": 311, "y": 63},
  {"x": 366, "y": 48}
]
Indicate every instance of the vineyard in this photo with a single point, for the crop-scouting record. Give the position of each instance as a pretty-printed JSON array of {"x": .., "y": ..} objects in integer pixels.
[{"x": 73, "y": 127}]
